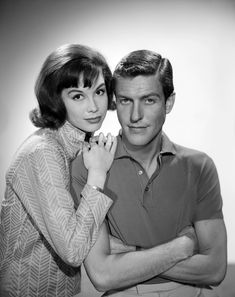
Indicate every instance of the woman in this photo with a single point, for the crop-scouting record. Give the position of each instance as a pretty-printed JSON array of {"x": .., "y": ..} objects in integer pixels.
[{"x": 45, "y": 234}]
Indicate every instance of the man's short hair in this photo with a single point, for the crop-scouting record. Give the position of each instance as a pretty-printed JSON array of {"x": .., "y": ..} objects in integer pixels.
[{"x": 146, "y": 62}]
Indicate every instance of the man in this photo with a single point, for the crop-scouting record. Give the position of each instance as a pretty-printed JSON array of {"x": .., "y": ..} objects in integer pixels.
[{"x": 159, "y": 187}]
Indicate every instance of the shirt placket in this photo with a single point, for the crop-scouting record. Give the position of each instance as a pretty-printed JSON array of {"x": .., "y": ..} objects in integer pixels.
[
  {"x": 144, "y": 180},
  {"x": 142, "y": 177}
]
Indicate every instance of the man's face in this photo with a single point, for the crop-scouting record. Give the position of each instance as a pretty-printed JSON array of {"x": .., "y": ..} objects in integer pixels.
[{"x": 141, "y": 108}]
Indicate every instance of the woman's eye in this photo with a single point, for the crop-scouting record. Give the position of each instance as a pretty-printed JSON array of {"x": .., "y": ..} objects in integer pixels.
[
  {"x": 100, "y": 92},
  {"x": 77, "y": 97}
]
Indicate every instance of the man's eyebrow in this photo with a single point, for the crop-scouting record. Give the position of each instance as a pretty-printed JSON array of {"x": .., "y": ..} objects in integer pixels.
[
  {"x": 123, "y": 96},
  {"x": 152, "y": 94}
]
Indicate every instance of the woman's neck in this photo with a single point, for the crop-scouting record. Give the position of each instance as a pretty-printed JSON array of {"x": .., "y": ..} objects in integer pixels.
[{"x": 88, "y": 136}]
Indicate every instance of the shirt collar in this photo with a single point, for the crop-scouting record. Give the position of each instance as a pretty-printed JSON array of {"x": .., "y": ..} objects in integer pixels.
[
  {"x": 167, "y": 147},
  {"x": 72, "y": 139}
]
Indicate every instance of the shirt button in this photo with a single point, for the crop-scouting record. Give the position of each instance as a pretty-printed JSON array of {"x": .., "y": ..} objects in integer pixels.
[
  {"x": 146, "y": 189},
  {"x": 140, "y": 172}
]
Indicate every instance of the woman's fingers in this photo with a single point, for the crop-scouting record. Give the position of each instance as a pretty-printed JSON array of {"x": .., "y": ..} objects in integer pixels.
[
  {"x": 109, "y": 141},
  {"x": 94, "y": 139},
  {"x": 85, "y": 147},
  {"x": 101, "y": 139},
  {"x": 114, "y": 145}
]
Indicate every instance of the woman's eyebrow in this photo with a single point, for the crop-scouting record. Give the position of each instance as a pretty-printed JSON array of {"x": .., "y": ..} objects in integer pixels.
[
  {"x": 72, "y": 90},
  {"x": 100, "y": 85}
]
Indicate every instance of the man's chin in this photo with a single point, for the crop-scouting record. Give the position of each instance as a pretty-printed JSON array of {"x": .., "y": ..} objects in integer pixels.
[{"x": 136, "y": 140}]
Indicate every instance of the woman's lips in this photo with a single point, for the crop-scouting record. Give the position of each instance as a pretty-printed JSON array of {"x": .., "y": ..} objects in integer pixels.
[{"x": 94, "y": 120}]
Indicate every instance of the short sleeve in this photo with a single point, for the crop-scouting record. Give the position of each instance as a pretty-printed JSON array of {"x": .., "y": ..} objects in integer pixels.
[{"x": 209, "y": 200}]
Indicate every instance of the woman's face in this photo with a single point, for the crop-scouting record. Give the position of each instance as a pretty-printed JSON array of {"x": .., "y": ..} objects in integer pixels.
[{"x": 86, "y": 107}]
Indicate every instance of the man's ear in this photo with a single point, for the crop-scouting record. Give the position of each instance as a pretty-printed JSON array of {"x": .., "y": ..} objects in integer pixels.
[{"x": 170, "y": 102}]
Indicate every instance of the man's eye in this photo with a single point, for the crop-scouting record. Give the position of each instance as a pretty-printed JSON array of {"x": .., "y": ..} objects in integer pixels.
[
  {"x": 149, "y": 101},
  {"x": 100, "y": 92},
  {"x": 124, "y": 101}
]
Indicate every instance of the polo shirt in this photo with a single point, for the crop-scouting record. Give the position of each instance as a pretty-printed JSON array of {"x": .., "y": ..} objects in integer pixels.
[{"x": 150, "y": 211}]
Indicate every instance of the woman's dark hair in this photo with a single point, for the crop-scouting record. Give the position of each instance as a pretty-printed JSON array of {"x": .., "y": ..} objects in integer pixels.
[
  {"x": 62, "y": 69},
  {"x": 145, "y": 62}
]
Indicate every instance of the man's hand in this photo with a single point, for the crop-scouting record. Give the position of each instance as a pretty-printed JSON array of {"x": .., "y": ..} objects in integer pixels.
[
  {"x": 117, "y": 246},
  {"x": 189, "y": 231}
]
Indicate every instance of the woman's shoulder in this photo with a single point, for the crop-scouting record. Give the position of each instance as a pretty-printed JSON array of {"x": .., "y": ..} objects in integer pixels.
[
  {"x": 40, "y": 143},
  {"x": 40, "y": 140}
]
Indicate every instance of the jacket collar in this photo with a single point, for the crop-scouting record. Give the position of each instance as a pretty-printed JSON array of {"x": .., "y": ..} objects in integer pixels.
[{"x": 71, "y": 138}]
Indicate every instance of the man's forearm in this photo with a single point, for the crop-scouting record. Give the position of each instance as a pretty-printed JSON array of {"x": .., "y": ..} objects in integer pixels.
[
  {"x": 125, "y": 269},
  {"x": 208, "y": 267},
  {"x": 199, "y": 270}
]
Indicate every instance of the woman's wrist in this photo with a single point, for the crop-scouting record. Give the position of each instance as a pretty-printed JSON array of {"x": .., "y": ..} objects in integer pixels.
[
  {"x": 97, "y": 189},
  {"x": 96, "y": 178}
]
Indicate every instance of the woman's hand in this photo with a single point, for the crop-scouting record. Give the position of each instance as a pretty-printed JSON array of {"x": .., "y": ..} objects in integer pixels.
[{"x": 98, "y": 158}]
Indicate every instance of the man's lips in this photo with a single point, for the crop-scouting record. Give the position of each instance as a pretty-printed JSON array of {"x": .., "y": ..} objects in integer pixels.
[{"x": 137, "y": 127}]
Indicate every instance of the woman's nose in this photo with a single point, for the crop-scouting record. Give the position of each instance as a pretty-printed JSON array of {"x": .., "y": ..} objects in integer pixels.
[{"x": 92, "y": 107}]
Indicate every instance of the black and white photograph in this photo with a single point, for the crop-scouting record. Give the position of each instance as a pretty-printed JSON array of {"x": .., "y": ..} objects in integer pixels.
[{"x": 117, "y": 127}]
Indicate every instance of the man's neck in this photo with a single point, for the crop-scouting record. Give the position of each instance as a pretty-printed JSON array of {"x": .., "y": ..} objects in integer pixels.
[{"x": 146, "y": 155}]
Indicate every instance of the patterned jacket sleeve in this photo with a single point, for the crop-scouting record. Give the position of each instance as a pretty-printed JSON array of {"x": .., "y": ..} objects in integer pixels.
[{"x": 40, "y": 183}]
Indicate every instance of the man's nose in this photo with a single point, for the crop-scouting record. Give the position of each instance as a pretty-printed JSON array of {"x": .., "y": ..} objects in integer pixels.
[{"x": 136, "y": 113}]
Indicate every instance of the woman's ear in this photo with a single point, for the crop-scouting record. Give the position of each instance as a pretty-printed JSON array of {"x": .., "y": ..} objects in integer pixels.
[{"x": 170, "y": 102}]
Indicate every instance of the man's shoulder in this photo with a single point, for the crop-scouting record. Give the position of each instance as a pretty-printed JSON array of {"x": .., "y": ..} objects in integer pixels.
[
  {"x": 187, "y": 151},
  {"x": 194, "y": 156}
]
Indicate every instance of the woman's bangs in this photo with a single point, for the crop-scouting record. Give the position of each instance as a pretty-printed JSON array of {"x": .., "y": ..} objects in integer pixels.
[
  {"x": 90, "y": 75},
  {"x": 70, "y": 77}
]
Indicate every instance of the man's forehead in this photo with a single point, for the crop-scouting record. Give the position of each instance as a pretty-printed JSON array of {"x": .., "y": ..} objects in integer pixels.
[
  {"x": 139, "y": 77},
  {"x": 139, "y": 83}
]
